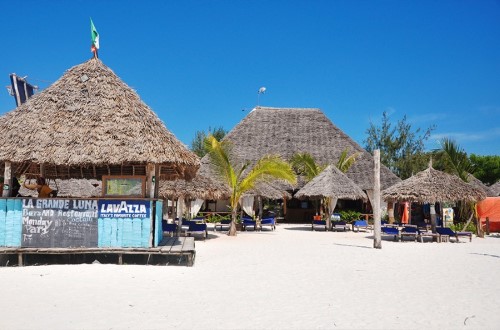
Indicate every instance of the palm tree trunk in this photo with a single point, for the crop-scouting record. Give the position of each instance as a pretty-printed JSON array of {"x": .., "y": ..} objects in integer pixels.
[{"x": 232, "y": 227}]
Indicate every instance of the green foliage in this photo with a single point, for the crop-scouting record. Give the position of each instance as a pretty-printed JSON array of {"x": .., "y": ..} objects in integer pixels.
[
  {"x": 349, "y": 215},
  {"x": 460, "y": 227},
  {"x": 452, "y": 159},
  {"x": 487, "y": 168},
  {"x": 305, "y": 164},
  {"x": 401, "y": 148},
  {"x": 214, "y": 218},
  {"x": 345, "y": 162},
  {"x": 198, "y": 143}
]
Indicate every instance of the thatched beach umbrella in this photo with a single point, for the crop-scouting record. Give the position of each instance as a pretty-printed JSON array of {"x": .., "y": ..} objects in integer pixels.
[
  {"x": 432, "y": 186},
  {"x": 479, "y": 184},
  {"x": 87, "y": 124},
  {"x": 331, "y": 183},
  {"x": 495, "y": 188}
]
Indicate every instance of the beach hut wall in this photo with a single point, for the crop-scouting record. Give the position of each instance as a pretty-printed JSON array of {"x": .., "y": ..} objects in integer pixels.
[
  {"x": 287, "y": 131},
  {"x": 87, "y": 124}
]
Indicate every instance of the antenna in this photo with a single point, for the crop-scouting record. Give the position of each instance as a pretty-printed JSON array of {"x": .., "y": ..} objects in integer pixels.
[{"x": 261, "y": 90}]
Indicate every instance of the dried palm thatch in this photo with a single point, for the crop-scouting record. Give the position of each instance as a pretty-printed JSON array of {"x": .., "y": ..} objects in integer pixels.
[
  {"x": 478, "y": 184},
  {"x": 87, "y": 124},
  {"x": 70, "y": 188},
  {"x": 200, "y": 187},
  {"x": 495, "y": 188},
  {"x": 431, "y": 186},
  {"x": 331, "y": 182},
  {"x": 276, "y": 190},
  {"x": 287, "y": 131}
]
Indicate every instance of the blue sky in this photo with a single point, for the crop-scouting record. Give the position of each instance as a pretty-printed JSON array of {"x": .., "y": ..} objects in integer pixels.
[{"x": 199, "y": 64}]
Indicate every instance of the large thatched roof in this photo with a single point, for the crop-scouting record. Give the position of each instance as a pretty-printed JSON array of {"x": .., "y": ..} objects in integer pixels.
[
  {"x": 275, "y": 190},
  {"x": 89, "y": 123},
  {"x": 495, "y": 188},
  {"x": 70, "y": 188},
  {"x": 431, "y": 186},
  {"x": 287, "y": 131},
  {"x": 200, "y": 187},
  {"x": 331, "y": 182}
]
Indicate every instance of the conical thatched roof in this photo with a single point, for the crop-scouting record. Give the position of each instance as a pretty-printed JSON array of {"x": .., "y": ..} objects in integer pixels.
[
  {"x": 478, "y": 184},
  {"x": 269, "y": 190},
  {"x": 331, "y": 182},
  {"x": 287, "y": 131},
  {"x": 495, "y": 188},
  {"x": 89, "y": 118},
  {"x": 431, "y": 186},
  {"x": 200, "y": 187}
]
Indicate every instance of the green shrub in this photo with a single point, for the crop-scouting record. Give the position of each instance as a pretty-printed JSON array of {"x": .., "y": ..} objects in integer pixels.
[
  {"x": 460, "y": 227},
  {"x": 349, "y": 215}
]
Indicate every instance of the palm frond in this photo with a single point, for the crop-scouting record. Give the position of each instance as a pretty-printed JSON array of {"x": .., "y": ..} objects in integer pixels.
[{"x": 346, "y": 162}]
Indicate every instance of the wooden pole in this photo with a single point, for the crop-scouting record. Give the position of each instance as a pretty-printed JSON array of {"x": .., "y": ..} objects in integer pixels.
[
  {"x": 7, "y": 179},
  {"x": 377, "y": 235},
  {"x": 150, "y": 178},
  {"x": 487, "y": 225}
]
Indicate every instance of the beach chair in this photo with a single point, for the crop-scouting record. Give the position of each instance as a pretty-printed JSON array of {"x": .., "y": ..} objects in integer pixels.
[
  {"x": 318, "y": 224},
  {"x": 390, "y": 231},
  {"x": 445, "y": 233},
  {"x": 360, "y": 224},
  {"x": 248, "y": 222},
  {"x": 197, "y": 228},
  {"x": 221, "y": 224},
  {"x": 409, "y": 231},
  {"x": 340, "y": 226},
  {"x": 269, "y": 222},
  {"x": 169, "y": 229}
]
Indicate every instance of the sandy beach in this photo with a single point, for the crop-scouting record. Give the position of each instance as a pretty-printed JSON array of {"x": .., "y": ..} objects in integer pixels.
[{"x": 291, "y": 278}]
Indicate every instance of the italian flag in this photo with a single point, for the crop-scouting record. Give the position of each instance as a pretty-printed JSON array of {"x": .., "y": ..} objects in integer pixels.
[{"x": 95, "y": 37}]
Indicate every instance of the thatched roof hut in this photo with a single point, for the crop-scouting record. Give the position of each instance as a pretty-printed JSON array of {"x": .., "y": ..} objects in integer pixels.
[
  {"x": 495, "y": 188},
  {"x": 269, "y": 190},
  {"x": 287, "y": 131},
  {"x": 331, "y": 182},
  {"x": 479, "y": 184},
  {"x": 200, "y": 187},
  {"x": 431, "y": 186},
  {"x": 87, "y": 124}
]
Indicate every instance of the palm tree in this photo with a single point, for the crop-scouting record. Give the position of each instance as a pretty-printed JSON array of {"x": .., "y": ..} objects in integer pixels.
[
  {"x": 455, "y": 161},
  {"x": 345, "y": 162},
  {"x": 243, "y": 178}
]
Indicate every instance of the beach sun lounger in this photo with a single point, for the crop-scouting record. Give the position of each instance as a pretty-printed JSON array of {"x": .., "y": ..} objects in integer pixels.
[
  {"x": 390, "y": 231},
  {"x": 340, "y": 225},
  {"x": 318, "y": 224},
  {"x": 198, "y": 228},
  {"x": 360, "y": 224},
  {"x": 221, "y": 224},
  {"x": 445, "y": 233},
  {"x": 269, "y": 222},
  {"x": 249, "y": 223},
  {"x": 409, "y": 231}
]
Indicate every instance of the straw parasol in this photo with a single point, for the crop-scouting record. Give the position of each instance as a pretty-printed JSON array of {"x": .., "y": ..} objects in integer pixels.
[
  {"x": 201, "y": 187},
  {"x": 431, "y": 186},
  {"x": 332, "y": 183},
  {"x": 495, "y": 188},
  {"x": 269, "y": 191},
  {"x": 87, "y": 124},
  {"x": 479, "y": 184}
]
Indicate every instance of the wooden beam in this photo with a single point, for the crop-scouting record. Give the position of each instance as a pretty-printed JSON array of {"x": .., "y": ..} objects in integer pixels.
[{"x": 7, "y": 179}]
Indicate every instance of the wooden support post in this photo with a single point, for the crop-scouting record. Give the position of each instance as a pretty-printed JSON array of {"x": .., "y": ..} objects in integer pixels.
[
  {"x": 390, "y": 211},
  {"x": 20, "y": 259},
  {"x": 377, "y": 236},
  {"x": 120, "y": 259},
  {"x": 7, "y": 179},
  {"x": 150, "y": 178},
  {"x": 487, "y": 226}
]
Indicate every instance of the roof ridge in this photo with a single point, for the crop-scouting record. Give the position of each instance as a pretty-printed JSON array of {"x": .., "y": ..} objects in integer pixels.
[{"x": 287, "y": 108}]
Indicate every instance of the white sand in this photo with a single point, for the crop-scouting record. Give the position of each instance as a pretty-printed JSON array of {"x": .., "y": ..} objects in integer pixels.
[{"x": 288, "y": 279}]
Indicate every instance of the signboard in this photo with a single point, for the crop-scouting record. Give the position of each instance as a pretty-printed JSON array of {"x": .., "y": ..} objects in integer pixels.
[
  {"x": 123, "y": 208},
  {"x": 59, "y": 223},
  {"x": 123, "y": 186}
]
